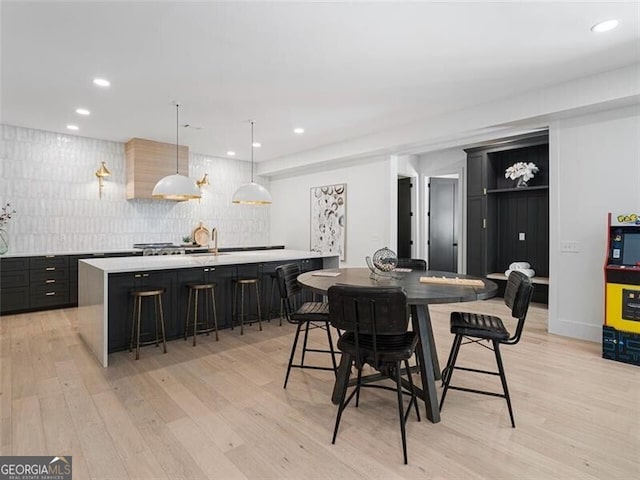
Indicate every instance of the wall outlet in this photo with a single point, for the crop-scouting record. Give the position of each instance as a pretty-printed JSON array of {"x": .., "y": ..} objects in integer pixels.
[
  {"x": 521, "y": 236},
  {"x": 569, "y": 247}
]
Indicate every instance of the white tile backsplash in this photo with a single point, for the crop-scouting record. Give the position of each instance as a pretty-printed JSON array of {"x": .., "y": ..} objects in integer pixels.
[{"x": 49, "y": 179}]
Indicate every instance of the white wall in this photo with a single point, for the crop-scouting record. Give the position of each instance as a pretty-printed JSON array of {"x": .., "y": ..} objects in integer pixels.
[
  {"x": 369, "y": 207},
  {"x": 49, "y": 179},
  {"x": 595, "y": 169}
]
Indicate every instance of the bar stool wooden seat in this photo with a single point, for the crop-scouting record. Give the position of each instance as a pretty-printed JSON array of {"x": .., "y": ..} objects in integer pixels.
[
  {"x": 243, "y": 283},
  {"x": 154, "y": 294},
  {"x": 209, "y": 301}
]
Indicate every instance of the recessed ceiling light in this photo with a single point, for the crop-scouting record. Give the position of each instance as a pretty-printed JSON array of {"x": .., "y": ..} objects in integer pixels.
[
  {"x": 101, "y": 82},
  {"x": 605, "y": 26},
  {"x": 298, "y": 130},
  {"x": 73, "y": 127},
  {"x": 231, "y": 153},
  {"x": 82, "y": 111},
  {"x": 257, "y": 144}
]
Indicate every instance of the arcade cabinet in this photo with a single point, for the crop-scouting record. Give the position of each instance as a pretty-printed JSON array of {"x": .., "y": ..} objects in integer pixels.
[{"x": 621, "y": 330}]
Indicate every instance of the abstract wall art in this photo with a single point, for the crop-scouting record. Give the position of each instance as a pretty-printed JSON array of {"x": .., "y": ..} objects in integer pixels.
[{"x": 328, "y": 219}]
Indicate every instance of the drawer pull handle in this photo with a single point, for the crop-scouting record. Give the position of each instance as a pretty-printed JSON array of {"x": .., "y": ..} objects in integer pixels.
[
  {"x": 49, "y": 294},
  {"x": 137, "y": 276},
  {"x": 50, "y": 269},
  {"x": 206, "y": 269},
  {"x": 49, "y": 256},
  {"x": 50, "y": 281},
  {"x": 145, "y": 274}
]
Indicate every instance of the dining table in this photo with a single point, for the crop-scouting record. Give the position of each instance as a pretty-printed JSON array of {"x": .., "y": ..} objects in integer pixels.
[{"x": 423, "y": 288}]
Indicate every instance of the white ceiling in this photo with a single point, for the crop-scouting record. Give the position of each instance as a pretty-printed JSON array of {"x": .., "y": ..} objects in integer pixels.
[{"x": 340, "y": 70}]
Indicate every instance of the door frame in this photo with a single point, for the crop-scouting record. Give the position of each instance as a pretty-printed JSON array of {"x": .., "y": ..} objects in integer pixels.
[{"x": 460, "y": 220}]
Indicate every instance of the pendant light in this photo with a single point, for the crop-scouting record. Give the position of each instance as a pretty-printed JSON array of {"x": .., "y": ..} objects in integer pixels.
[
  {"x": 252, "y": 193},
  {"x": 176, "y": 187}
]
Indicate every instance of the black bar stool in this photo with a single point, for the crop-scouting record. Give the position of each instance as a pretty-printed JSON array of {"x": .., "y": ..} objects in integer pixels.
[
  {"x": 242, "y": 283},
  {"x": 209, "y": 299},
  {"x": 156, "y": 295}
]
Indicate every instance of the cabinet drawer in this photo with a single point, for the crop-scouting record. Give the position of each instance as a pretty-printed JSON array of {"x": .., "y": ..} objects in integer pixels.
[
  {"x": 14, "y": 299},
  {"x": 48, "y": 261},
  {"x": 49, "y": 273},
  {"x": 49, "y": 295},
  {"x": 14, "y": 264},
  {"x": 14, "y": 278}
]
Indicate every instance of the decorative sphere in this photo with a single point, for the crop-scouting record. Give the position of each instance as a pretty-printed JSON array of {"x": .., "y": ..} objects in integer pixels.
[{"x": 385, "y": 259}]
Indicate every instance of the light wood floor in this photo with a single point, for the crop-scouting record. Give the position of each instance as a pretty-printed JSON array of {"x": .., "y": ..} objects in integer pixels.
[{"x": 219, "y": 411}]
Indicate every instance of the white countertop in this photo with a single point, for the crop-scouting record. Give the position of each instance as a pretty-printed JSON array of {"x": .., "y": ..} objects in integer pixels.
[{"x": 167, "y": 262}]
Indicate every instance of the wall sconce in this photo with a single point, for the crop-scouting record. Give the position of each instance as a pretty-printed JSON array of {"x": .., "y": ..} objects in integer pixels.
[
  {"x": 203, "y": 181},
  {"x": 102, "y": 172}
]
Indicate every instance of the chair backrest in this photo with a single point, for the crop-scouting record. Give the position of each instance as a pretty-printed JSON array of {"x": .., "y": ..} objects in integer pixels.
[
  {"x": 413, "y": 263},
  {"x": 375, "y": 315},
  {"x": 368, "y": 310},
  {"x": 288, "y": 285},
  {"x": 517, "y": 296}
]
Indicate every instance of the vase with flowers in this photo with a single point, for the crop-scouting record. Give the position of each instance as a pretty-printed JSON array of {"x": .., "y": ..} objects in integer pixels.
[
  {"x": 521, "y": 172},
  {"x": 5, "y": 216}
]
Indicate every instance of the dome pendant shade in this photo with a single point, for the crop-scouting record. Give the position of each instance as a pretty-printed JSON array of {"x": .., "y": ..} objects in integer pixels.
[
  {"x": 252, "y": 194},
  {"x": 176, "y": 187}
]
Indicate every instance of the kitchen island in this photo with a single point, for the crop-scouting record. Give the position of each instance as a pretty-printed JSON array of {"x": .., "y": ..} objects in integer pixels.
[{"x": 105, "y": 309}]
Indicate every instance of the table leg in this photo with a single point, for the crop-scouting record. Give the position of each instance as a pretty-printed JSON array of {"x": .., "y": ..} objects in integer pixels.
[{"x": 426, "y": 353}]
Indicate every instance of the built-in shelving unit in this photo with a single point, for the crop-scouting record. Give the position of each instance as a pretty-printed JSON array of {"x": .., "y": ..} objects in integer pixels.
[{"x": 506, "y": 223}]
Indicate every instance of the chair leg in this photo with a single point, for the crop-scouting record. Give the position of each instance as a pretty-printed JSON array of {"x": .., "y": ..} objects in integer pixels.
[
  {"x": 453, "y": 356},
  {"x": 401, "y": 412},
  {"x": 358, "y": 385},
  {"x": 215, "y": 312},
  {"x": 341, "y": 405},
  {"x": 333, "y": 353},
  {"x": 293, "y": 352},
  {"x": 164, "y": 339},
  {"x": 413, "y": 392},
  {"x": 258, "y": 304},
  {"x": 304, "y": 343},
  {"x": 195, "y": 317},
  {"x": 503, "y": 379},
  {"x": 186, "y": 320}
]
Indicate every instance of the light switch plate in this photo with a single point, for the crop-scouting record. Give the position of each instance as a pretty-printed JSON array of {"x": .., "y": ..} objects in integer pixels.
[{"x": 521, "y": 236}]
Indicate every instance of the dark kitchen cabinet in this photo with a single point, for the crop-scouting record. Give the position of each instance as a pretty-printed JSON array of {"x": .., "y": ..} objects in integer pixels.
[
  {"x": 14, "y": 284},
  {"x": 120, "y": 305},
  {"x": 48, "y": 281},
  {"x": 505, "y": 223}
]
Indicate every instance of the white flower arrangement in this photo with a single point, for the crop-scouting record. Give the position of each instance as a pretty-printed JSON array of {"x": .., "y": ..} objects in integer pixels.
[{"x": 521, "y": 169}]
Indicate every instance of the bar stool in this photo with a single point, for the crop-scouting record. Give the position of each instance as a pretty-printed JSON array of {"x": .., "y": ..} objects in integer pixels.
[
  {"x": 209, "y": 298},
  {"x": 244, "y": 282},
  {"x": 274, "y": 289},
  {"x": 154, "y": 294}
]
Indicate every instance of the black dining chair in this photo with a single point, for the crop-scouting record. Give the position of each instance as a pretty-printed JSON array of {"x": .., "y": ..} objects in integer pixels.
[
  {"x": 310, "y": 316},
  {"x": 412, "y": 263},
  {"x": 477, "y": 327},
  {"x": 375, "y": 321}
]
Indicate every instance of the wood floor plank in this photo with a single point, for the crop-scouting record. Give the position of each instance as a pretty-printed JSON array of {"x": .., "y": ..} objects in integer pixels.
[{"x": 28, "y": 433}]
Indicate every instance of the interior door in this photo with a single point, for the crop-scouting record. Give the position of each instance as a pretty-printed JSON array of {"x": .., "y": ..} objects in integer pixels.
[
  {"x": 443, "y": 224},
  {"x": 404, "y": 218}
]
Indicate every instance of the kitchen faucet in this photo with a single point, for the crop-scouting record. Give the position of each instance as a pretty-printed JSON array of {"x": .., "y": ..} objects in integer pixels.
[{"x": 214, "y": 237}]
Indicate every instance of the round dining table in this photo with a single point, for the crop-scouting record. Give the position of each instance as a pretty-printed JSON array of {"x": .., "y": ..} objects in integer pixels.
[{"x": 441, "y": 287}]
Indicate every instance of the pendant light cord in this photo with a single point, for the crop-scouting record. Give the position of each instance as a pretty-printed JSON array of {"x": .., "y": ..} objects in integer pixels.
[
  {"x": 177, "y": 141},
  {"x": 251, "y": 151}
]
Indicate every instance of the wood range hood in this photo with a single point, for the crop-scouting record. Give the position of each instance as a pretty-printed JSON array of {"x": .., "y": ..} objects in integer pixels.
[{"x": 147, "y": 161}]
